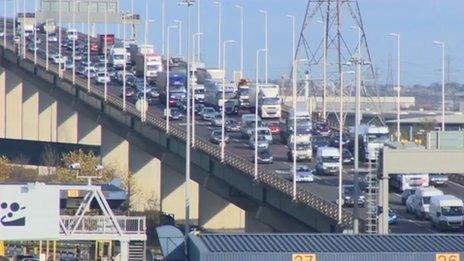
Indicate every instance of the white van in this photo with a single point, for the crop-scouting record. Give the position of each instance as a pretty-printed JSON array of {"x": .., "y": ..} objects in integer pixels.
[
  {"x": 446, "y": 212},
  {"x": 419, "y": 203},
  {"x": 327, "y": 161},
  {"x": 72, "y": 34}
]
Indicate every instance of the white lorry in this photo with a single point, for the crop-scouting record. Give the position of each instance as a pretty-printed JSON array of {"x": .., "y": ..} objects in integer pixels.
[
  {"x": 410, "y": 181},
  {"x": 446, "y": 212},
  {"x": 327, "y": 161},
  {"x": 372, "y": 140},
  {"x": 303, "y": 150},
  {"x": 153, "y": 65},
  {"x": 213, "y": 97},
  {"x": 199, "y": 93},
  {"x": 269, "y": 101},
  {"x": 118, "y": 57}
]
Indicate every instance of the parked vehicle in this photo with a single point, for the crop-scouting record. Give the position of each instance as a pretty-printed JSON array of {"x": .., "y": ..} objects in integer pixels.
[
  {"x": 103, "y": 78},
  {"x": 175, "y": 113},
  {"x": 446, "y": 213},
  {"x": 327, "y": 161},
  {"x": 419, "y": 203},
  {"x": 208, "y": 113},
  {"x": 408, "y": 181},
  {"x": 265, "y": 156},
  {"x": 302, "y": 149},
  {"x": 347, "y": 157},
  {"x": 216, "y": 137},
  {"x": 438, "y": 179},
  {"x": 348, "y": 197},
  {"x": 262, "y": 142},
  {"x": 392, "y": 217},
  {"x": 406, "y": 194},
  {"x": 318, "y": 142},
  {"x": 232, "y": 126},
  {"x": 304, "y": 174}
]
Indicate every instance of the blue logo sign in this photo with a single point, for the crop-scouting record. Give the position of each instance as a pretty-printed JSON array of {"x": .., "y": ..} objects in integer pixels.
[{"x": 13, "y": 218}]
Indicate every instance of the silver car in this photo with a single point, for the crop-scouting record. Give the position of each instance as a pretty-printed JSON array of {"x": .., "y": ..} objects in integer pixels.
[{"x": 262, "y": 142}]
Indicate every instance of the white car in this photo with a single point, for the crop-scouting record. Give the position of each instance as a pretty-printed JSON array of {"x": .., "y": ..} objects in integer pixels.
[
  {"x": 304, "y": 174},
  {"x": 262, "y": 142},
  {"x": 102, "y": 78},
  {"x": 216, "y": 121},
  {"x": 16, "y": 39},
  {"x": 56, "y": 58}
]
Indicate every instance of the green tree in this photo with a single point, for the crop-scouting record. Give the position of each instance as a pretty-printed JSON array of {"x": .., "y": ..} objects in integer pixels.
[
  {"x": 88, "y": 163},
  {"x": 5, "y": 169}
]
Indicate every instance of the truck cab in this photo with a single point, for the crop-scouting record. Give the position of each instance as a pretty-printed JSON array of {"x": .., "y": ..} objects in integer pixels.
[
  {"x": 327, "y": 161},
  {"x": 303, "y": 148},
  {"x": 372, "y": 139}
]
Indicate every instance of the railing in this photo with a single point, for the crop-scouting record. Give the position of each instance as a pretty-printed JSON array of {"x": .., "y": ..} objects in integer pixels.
[
  {"x": 244, "y": 165},
  {"x": 103, "y": 225}
]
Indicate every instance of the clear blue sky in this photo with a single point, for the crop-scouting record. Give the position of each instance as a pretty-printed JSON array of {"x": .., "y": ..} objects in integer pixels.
[{"x": 419, "y": 22}]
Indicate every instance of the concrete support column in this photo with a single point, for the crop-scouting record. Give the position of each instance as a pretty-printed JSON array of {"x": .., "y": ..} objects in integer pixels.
[
  {"x": 13, "y": 106},
  {"x": 66, "y": 124},
  {"x": 216, "y": 213},
  {"x": 172, "y": 195},
  {"x": 47, "y": 117},
  {"x": 253, "y": 225},
  {"x": 146, "y": 171},
  {"x": 88, "y": 131},
  {"x": 114, "y": 151},
  {"x": 30, "y": 109},
  {"x": 2, "y": 103}
]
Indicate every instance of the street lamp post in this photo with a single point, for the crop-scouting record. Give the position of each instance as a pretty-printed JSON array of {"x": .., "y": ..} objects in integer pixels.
[
  {"x": 168, "y": 84},
  {"x": 442, "y": 44},
  {"x": 105, "y": 47},
  {"x": 198, "y": 29},
  {"x": 398, "y": 86},
  {"x": 265, "y": 45},
  {"x": 223, "y": 121},
  {"x": 60, "y": 60},
  {"x": 340, "y": 147},
  {"x": 88, "y": 46},
  {"x": 194, "y": 88},
  {"x": 219, "y": 4},
  {"x": 241, "y": 39},
  {"x": 292, "y": 18},
  {"x": 256, "y": 111},
  {"x": 74, "y": 43},
  {"x": 294, "y": 134},
  {"x": 47, "y": 21},
  {"x": 179, "y": 25},
  {"x": 4, "y": 22},
  {"x": 124, "y": 102},
  {"x": 23, "y": 29},
  {"x": 144, "y": 102},
  {"x": 35, "y": 32},
  {"x": 163, "y": 11},
  {"x": 187, "y": 3}
]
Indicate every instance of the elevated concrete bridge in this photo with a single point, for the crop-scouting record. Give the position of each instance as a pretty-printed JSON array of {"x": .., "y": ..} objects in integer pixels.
[{"x": 40, "y": 105}]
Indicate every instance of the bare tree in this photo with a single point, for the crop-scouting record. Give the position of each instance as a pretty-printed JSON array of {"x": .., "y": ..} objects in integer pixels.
[{"x": 50, "y": 158}]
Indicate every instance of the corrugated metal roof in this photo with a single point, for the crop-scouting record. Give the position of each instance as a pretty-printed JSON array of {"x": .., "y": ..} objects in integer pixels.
[{"x": 337, "y": 243}]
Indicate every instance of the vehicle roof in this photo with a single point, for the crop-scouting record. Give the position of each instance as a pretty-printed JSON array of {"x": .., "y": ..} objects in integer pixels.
[
  {"x": 428, "y": 191},
  {"x": 328, "y": 150},
  {"x": 446, "y": 200}
]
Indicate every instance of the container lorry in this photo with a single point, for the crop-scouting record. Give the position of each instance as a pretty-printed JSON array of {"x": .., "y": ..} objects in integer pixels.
[
  {"x": 153, "y": 65},
  {"x": 269, "y": 101}
]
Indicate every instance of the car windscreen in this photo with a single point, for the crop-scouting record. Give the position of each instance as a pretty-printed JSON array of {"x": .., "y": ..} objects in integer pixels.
[
  {"x": 451, "y": 211},
  {"x": 330, "y": 159}
]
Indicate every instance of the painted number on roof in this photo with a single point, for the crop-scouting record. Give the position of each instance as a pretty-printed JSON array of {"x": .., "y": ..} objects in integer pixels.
[
  {"x": 72, "y": 193},
  {"x": 447, "y": 257},
  {"x": 306, "y": 257}
]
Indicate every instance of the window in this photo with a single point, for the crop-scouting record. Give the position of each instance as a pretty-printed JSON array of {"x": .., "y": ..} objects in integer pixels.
[{"x": 451, "y": 211}]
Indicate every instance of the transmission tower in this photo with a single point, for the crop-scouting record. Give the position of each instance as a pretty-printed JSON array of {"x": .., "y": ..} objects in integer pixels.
[{"x": 329, "y": 43}]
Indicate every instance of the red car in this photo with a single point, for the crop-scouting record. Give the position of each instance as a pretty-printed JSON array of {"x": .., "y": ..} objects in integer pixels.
[{"x": 274, "y": 127}]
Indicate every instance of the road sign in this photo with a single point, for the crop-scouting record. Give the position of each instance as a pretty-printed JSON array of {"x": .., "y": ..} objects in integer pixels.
[
  {"x": 447, "y": 257},
  {"x": 305, "y": 257}
]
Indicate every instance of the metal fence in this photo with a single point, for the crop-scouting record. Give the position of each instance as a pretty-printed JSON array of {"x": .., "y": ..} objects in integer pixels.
[{"x": 242, "y": 164}]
